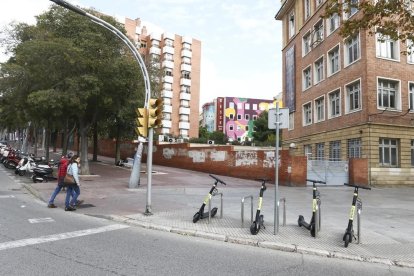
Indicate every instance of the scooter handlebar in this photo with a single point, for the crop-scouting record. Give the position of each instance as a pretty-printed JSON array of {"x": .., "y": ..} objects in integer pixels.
[
  {"x": 217, "y": 179},
  {"x": 316, "y": 181},
  {"x": 357, "y": 186}
]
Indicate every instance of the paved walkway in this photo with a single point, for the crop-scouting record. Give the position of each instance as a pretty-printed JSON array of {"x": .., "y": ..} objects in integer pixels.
[{"x": 387, "y": 215}]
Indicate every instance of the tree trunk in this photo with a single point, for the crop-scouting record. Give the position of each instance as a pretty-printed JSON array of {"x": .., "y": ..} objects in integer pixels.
[
  {"x": 95, "y": 142},
  {"x": 26, "y": 137},
  {"x": 47, "y": 142},
  {"x": 118, "y": 144},
  {"x": 35, "y": 140},
  {"x": 136, "y": 168},
  {"x": 83, "y": 131}
]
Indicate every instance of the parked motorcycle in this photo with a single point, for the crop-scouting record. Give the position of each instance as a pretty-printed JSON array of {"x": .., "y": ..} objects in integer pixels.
[{"x": 42, "y": 173}]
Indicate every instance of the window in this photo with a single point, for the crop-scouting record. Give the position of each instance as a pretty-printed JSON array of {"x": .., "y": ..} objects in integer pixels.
[
  {"x": 239, "y": 116},
  {"x": 169, "y": 42},
  {"x": 231, "y": 127},
  {"x": 291, "y": 24},
  {"x": 291, "y": 121},
  {"x": 246, "y": 117},
  {"x": 388, "y": 94},
  {"x": 246, "y": 128},
  {"x": 307, "y": 114},
  {"x": 318, "y": 2},
  {"x": 335, "y": 150},
  {"x": 239, "y": 105},
  {"x": 168, "y": 56},
  {"x": 254, "y": 117},
  {"x": 319, "y": 72},
  {"x": 333, "y": 23},
  {"x": 231, "y": 116},
  {"x": 411, "y": 96},
  {"x": 387, "y": 48},
  {"x": 306, "y": 41},
  {"x": 318, "y": 33},
  {"x": 247, "y": 106},
  {"x": 388, "y": 152},
  {"x": 238, "y": 127},
  {"x": 307, "y": 8},
  {"x": 307, "y": 78},
  {"x": 410, "y": 51},
  {"x": 352, "y": 51},
  {"x": 320, "y": 109},
  {"x": 353, "y": 96},
  {"x": 320, "y": 151},
  {"x": 354, "y": 148},
  {"x": 334, "y": 104},
  {"x": 333, "y": 61},
  {"x": 351, "y": 10},
  {"x": 186, "y": 75},
  {"x": 231, "y": 105},
  {"x": 307, "y": 149},
  {"x": 168, "y": 73},
  {"x": 186, "y": 46},
  {"x": 412, "y": 153}
]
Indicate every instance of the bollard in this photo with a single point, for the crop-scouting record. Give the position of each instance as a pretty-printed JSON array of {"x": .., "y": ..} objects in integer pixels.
[
  {"x": 359, "y": 211},
  {"x": 284, "y": 210},
  {"x": 242, "y": 209}
]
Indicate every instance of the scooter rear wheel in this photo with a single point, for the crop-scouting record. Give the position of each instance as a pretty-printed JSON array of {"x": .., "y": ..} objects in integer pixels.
[
  {"x": 300, "y": 220},
  {"x": 312, "y": 229},
  {"x": 254, "y": 229},
  {"x": 347, "y": 239},
  {"x": 213, "y": 211},
  {"x": 196, "y": 217}
]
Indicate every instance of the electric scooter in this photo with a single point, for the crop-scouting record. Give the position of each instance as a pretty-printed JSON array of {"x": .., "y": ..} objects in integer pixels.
[
  {"x": 349, "y": 231},
  {"x": 316, "y": 197},
  {"x": 259, "y": 221},
  {"x": 201, "y": 214}
]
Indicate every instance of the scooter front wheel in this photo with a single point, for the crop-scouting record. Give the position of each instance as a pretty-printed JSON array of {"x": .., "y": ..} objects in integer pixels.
[
  {"x": 347, "y": 239},
  {"x": 22, "y": 172},
  {"x": 300, "y": 220},
  {"x": 254, "y": 229},
  {"x": 213, "y": 211},
  {"x": 312, "y": 229},
  {"x": 196, "y": 217}
]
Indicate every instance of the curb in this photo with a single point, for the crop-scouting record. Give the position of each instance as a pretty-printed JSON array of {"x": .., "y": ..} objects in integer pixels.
[{"x": 263, "y": 244}]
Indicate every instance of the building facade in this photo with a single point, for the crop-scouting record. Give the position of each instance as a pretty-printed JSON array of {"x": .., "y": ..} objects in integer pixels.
[
  {"x": 208, "y": 119},
  {"x": 235, "y": 116},
  {"x": 178, "y": 58},
  {"x": 348, "y": 97}
]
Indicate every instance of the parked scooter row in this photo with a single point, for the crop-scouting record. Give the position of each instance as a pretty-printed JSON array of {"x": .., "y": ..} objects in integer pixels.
[
  {"x": 40, "y": 169},
  {"x": 258, "y": 223}
]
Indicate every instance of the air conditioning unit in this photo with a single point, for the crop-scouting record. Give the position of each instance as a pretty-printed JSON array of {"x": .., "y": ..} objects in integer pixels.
[
  {"x": 161, "y": 138},
  {"x": 171, "y": 140},
  {"x": 210, "y": 142},
  {"x": 180, "y": 140}
]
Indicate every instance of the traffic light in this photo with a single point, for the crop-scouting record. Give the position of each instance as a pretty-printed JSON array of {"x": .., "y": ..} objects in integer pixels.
[
  {"x": 142, "y": 122},
  {"x": 155, "y": 113}
]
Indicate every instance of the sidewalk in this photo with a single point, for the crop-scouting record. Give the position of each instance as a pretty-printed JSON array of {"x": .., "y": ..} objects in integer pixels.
[{"x": 387, "y": 214}]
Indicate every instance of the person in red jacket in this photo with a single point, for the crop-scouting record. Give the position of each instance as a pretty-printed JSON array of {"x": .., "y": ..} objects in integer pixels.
[{"x": 62, "y": 168}]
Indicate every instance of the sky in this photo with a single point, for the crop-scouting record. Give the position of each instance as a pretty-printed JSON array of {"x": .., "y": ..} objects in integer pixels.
[{"x": 241, "y": 42}]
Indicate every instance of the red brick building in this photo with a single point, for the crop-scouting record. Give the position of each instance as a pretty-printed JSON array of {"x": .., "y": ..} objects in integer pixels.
[{"x": 348, "y": 97}]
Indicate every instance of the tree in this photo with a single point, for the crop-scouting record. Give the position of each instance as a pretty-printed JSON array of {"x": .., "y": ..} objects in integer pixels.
[{"x": 392, "y": 19}]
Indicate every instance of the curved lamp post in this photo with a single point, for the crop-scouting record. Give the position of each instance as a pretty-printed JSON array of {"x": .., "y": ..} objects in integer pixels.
[{"x": 135, "y": 169}]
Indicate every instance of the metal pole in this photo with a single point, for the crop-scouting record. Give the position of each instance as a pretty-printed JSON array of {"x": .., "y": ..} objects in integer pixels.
[
  {"x": 276, "y": 213},
  {"x": 149, "y": 172}
]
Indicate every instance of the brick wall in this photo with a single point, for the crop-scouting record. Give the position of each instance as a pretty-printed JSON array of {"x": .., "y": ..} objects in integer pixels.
[{"x": 358, "y": 171}]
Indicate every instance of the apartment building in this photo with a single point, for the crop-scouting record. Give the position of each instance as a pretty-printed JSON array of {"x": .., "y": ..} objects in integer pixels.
[
  {"x": 348, "y": 97},
  {"x": 235, "y": 116},
  {"x": 178, "y": 57}
]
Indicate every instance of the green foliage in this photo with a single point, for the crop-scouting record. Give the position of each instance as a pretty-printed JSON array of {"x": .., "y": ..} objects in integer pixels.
[{"x": 391, "y": 18}]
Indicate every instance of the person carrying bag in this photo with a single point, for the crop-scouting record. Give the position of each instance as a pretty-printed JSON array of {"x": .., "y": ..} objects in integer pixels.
[{"x": 72, "y": 180}]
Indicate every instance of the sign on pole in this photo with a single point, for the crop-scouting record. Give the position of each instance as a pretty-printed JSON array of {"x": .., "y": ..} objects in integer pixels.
[{"x": 283, "y": 118}]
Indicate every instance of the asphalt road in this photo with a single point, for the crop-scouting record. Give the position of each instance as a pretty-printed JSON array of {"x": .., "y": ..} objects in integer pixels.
[{"x": 35, "y": 240}]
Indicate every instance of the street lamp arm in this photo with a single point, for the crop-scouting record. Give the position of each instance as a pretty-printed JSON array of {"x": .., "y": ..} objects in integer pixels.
[{"x": 69, "y": 6}]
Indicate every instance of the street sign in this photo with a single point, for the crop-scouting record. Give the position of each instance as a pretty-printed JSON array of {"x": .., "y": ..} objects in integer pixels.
[{"x": 283, "y": 118}]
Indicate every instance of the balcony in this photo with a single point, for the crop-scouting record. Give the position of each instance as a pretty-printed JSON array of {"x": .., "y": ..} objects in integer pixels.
[
  {"x": 168, "y": 64},
  {"x": 166, "y": 123},
  {"x": 186, "y": 67},
  {"x": 167, "y": 94},
  {"x": 186, "y": 53},
  {"x": 155, "y": 36},
  {"x": 184, "y": 125},
  {"x": 168, "y": 49},
  {"x": 187, "y": 39},
  {"x": 184, "y": 110},
  {"x": 168, "y": 79},
  {"x": 186, "y": 82},
  {"x": 167, "y": 109},
  {"x": 185, "y": 96},
  {"x": 155, "y": 50}
]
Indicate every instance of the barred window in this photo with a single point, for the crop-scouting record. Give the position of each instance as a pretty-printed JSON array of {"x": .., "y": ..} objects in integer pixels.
[
  {"x": 335, "y": 150},
  {"x": 412, "y": 153},
  {"x": 354, "y": 148},
  {"x": 388, "y": 152},
  {"x": 320, "y": 151}
]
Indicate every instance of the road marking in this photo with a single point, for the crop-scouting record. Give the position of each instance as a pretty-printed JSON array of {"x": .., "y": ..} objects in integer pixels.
[
  {"x": 62, "y": 236},
  {"x": 6, "y": 196},
  {"x": 40, "y": 220}
]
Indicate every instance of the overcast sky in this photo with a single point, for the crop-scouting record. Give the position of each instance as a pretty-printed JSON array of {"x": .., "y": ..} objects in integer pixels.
[{"x": 241, "y": 40}]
